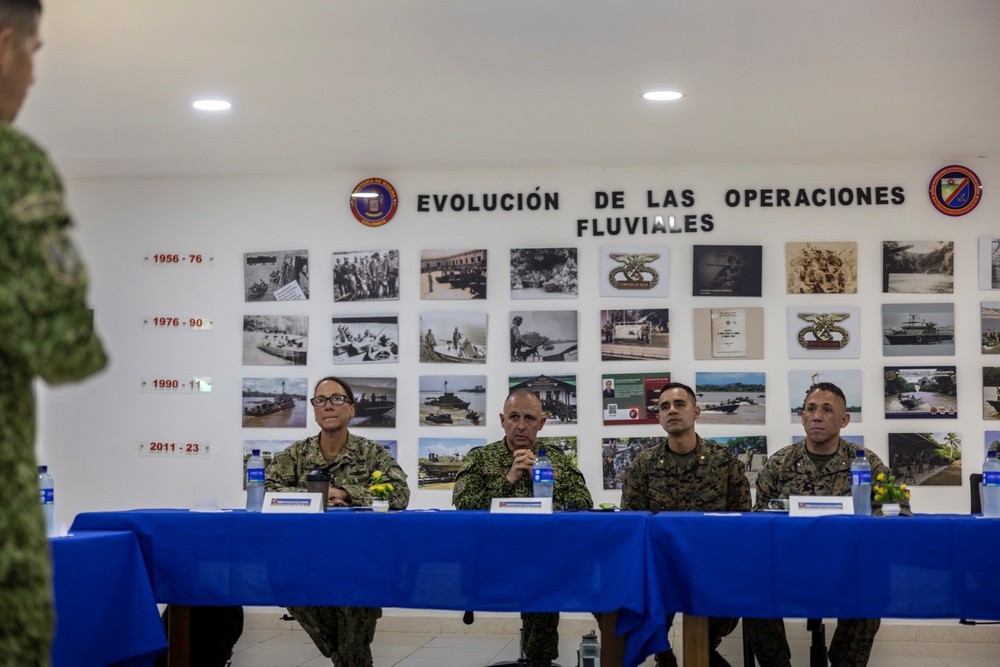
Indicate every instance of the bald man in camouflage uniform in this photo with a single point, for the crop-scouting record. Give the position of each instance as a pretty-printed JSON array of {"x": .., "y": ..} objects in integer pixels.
[
  {"x": 686, "y": 474},
  {"x": 819, "y": 465},
  {"x": 48, "y": 332},
  {"x": 502, "y": 469},
  {"x": 343, "y": 634}
]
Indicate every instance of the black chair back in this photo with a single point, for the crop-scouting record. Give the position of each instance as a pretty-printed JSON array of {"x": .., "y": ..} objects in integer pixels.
[{"x": 975, "y": 493}]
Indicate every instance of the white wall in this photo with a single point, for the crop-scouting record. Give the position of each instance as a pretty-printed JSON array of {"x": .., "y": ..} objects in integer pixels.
[{"x": 89, "y": 433}]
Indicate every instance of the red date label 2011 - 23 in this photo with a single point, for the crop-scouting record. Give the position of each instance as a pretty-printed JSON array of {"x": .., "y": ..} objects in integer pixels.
[
  {"x": 165, "y": 448},
  {"x": 197, "y": 259},
  {"x": 176, "y": 323}
]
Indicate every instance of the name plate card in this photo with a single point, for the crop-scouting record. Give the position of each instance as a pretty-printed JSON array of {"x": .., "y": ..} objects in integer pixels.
[
  {"x": 200, "y": 259},
  {"x": 292, "y": 502},
  {"x": 819, "y": 505},
  {"x": 172, "y": 323},
  {"x": 198, "y": 385},
  {"x": 521, "y": 506},
  {"x": 173, "y": 449}
]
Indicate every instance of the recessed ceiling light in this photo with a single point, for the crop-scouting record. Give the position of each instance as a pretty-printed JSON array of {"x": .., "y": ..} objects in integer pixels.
[
  {"x": 211, "y": 105},
  {"x": 662, "y": 95}
]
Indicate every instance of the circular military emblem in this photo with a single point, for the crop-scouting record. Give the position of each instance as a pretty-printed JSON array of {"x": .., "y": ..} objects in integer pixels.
[
  {"x": 955, "y": 190},
  {"x": 374, "y": 202}
]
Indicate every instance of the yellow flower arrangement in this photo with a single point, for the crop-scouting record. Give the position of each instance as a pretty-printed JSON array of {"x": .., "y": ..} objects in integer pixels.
[
  {"x": 378, "y": 488},
  {"x": 887, "y": 491}
]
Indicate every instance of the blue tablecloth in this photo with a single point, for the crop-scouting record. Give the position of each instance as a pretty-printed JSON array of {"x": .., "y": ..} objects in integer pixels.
[{"x": 105, "y": 610}]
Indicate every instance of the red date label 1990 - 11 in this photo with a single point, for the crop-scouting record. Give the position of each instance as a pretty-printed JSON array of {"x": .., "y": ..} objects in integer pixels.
[
  {"x": 162, "y": 385},
  {"x": 161, "y": 448},
  {"x": 198, "y": 259}
]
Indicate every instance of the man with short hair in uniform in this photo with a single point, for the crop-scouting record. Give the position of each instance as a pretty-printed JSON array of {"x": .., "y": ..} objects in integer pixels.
[{"x": 47, "y": 331}]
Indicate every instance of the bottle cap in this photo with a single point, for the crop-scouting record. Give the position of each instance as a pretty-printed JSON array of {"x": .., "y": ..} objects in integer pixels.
[
  {"x": 860, "y": 453},
  {"x": 992, "y": 454},
  {"x": 42, "y": 469},
  {"x": 541, "y": 452},
  {"x": 256, "y": 452}
]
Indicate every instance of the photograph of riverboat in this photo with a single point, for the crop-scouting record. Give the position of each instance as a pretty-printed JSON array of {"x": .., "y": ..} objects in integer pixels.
[
  {"x": 800, "y": 382},
  {"x": 374, "y": 401},
  {"x": 453, "y": 337},
  {"x": 274, "y": 402},
  {"x": 275, "y": 340},
  {"x": 363, "y": 339},
  {"x": 918, "y": 329},
  {"x": 635, "y": 334},
  {"x": 990, "y": 327},
  {"x": 452, "y": 400},
  {"x": 543, "y": 273},
  {"x": 918, "y": 267},
  {"x": 920, "y": 392},
  {"x": 453, "y": 274},
  {"x": 440, "y": 459},
  {"x": 276, "y": 275},
  {"x": 731, "y": 398}
]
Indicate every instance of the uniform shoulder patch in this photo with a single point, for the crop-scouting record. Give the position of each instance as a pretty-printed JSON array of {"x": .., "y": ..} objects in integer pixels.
[
  {"x": 39, "y": 206},
  {"x": 62, "y": 258}
]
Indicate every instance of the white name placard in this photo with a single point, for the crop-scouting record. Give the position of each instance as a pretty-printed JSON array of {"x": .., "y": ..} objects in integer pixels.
[
  {"x": 521, "y": 506},
  {"x": 819, "y": 505},
  {"x": 291, "y": 502}
]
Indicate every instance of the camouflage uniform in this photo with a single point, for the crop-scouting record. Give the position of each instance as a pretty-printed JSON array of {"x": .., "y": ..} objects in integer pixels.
[
  {"x": 48, "y": 332},
  {"x": 482, "y": 478},
  {"x": 712, "y": 480},
  {"x": 790, "y": 472},
  {"x": 343, "y": 634}
]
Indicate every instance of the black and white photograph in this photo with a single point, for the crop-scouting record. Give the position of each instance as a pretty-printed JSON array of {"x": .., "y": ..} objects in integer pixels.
[
  {"x": 634, "y": 271},
  {"x": 989, "y": 320},
  {"x": 926, "y": 459},
  {"x": 726, "y": 270},
  {"x": 440, "y": 459},
  {"x": 556, "y": 392},
  {"x": 821, "y": 268},
  {"x": 374, "y": 401},
  {"x": 618, "y": 453},
  {"x": 543, "y": 335},
  {"x": 918, "y": 329},
  {"x": 363, "y": 339},
  {"x": 991, "y": 392},
  {"x": 751, "y": 450},
  {"x": 822, "y": 332},
  {"x": 275, "y": 402},
  {"x": 635, "y": 334},
  {"x": 453, "y": 337},
  {"x": 366, "y": 275},
  {"x": 453, "y": 400},
  {"x": 275, "y": 340},
  {"x": 543, "y": 273},
  {"x": 276, "y": 275},
  {"x": 801, "y": 382},
  {"x": 918, "y": 267},
  {"x": 453, "y": 274},
  {"x": 920, "y": 392},
  {"x": 989, "y": 263}
]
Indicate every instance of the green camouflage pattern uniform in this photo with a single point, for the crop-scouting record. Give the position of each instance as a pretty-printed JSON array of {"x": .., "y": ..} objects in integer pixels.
[
  {"x": 790, "y": 472},
  {"x": 343, "y": 634},
  {"x": 482, "y": 478},
  {"x": 47, "y": 332},
  {"x": 712, "y": 480}
]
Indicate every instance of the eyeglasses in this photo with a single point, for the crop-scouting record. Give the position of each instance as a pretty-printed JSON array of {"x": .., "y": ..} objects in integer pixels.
[{"x": 336, "y": 399}]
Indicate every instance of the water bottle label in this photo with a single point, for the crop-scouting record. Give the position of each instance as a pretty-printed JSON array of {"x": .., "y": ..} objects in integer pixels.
[
  {"x": 861, "y": 477},
  {"x": 255, "y": 475},
  {"x": 541, "y": 475},
  {"x": 47, "y": 496},
  {"x": 991, "y": 478}
]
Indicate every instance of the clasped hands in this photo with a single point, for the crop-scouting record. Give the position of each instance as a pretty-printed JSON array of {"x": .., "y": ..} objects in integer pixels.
[{"x": 524, "y": 459}]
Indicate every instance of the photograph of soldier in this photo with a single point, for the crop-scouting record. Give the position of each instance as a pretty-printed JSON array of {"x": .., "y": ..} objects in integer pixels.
[
  {"x": 635, "y": 334},
  {"x": 750, "y": 450},
  {"x": 274, "y": 402},
  {"x": 440, "y": 459},
  {"x": 556, "y": 392},
  {"x": 452, "y": 400},
  {"x": 824, "y": 332},
  {"x": 543, "y": 273},
  {"x": 617, "y": 454},
  {"x": 849, "y": 382},
  {"x": 275, "y": 340},
  {"x": 929, "y": 392},
  {"x": 634, "y": 271},
  {"x": 543, "y": 335},
  {"x": 362, "y": 339},
  {"x": 918, "y": 329},
  {"x": 366, "y": 275},
  {"x": 453, "y": 337},
  {"x": 374, "y": 402},
  {"x": 918, "y": 267},
  {"x": 991, "y": 392},
  {"x": 822, "y": 268},
  {"x": 453, "y": 274},
  {"x": 989, "y": 320},
  {"x": 726, "y": 270},
  {"x": 731, "y": 398},
  {"x": 926, "y": 459},
  {"x": 276, "y": 275}
]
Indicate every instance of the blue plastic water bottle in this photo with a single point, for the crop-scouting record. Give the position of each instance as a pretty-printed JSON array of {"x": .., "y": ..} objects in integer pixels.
[
  {"x": 46, "y": 495},
  {"x": 991, "y": 485},
  {"x": 255, "y": 482},
  {"x": 861, "y": 484},
  {"x": 541, "y": 476}
]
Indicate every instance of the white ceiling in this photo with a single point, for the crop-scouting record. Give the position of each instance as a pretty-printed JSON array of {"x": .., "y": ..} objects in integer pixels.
[{"x": 372, "y": 86}]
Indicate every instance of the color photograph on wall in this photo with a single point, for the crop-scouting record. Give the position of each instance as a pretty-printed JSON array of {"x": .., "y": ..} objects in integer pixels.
[
  {"x": 816, "y": 332},
  {"x": 275, "y": 402},
  {"x": 631, "y": 398},
  {"x": 991, "y": 443},
  {"x": 634, "y": 271},
  {"x": 453, "y": 337},
  {"x": 918, "y": 329},
  {"x": 821, "y": 268},
  {"x": 751, "y": 450},
  {"x": 452, "y": 400},
  {"x": 635, "y": 334},
  {"x": 731, "y": 398},
  {"x": 726, "y": 270},
  {"x": 276, "y": 275},
  {"x": 440, "y": 459},
  {"x": 618, "y": 453},
  {"x": 991, "y": 392},
  {"x": 543, "y": 273},
  {"x": 275, "y": 340},
  {"x": 363, "y": 339},
  {"x": 926, "y": 459},
  {"x": 543, "y": 335},
  {"x": 989, "y": 326},
  {"x": 564, "y": 443},
  {"x": 918, "y": 267},
  {"x": 556, "y": 392},
  {"x": 989, "y": 263},
  {"x": 374, "y": 401},
  {"x": 453, "y": 274},
  {"x": 929, "y": 392},
  {"x": 366, "y": 275},
  {"x": 800, "y": 382},
  {"x": 728, "y": 333}
]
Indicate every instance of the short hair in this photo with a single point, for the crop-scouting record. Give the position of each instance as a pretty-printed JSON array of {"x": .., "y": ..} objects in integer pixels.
[
  {"x": 332, "y": 378},
  {"x": 824, "y": 386},
  {"x": 522, "y": 391},
  {"x": 19, "y": 14},
  {"x": 678, "y": 385}
]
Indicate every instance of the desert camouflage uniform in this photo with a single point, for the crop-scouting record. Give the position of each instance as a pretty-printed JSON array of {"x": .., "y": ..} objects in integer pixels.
[
  {"x": 343, "y": 634},
  {"x": 482, "y": 478},
  {"x": 46, "y": 330},
  {"x": 790, "y": 472},
  {"x": 712, "y": 480}
]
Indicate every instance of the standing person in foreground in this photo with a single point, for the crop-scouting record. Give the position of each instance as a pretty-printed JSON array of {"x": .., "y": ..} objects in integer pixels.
[
  {"x": 819, "y": 465},
  {"x": 343, "y": 634},
  {"x": 686, "y": 474},
  {"x": 48, "y": 332},
  {"x": 502, "y": 469}
]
